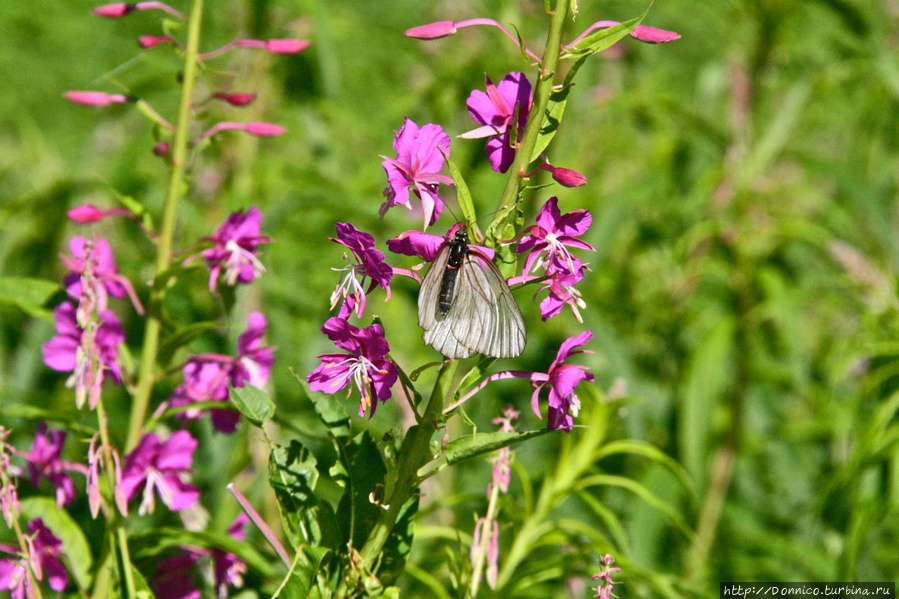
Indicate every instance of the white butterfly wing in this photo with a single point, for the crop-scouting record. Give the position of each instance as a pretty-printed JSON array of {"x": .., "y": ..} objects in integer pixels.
[{"x": 483, "y": 318}]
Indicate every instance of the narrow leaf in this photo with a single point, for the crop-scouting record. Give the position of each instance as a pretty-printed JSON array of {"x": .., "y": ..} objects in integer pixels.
[
  {"x": 61, "y": 524},
  {"x": 601, "y": 39},
  {"x": 466, "y": 448},
  {"x": 32, "y": 296},
  {"x": 303, "y": 571},
  {"x": 463, "y": 195}
]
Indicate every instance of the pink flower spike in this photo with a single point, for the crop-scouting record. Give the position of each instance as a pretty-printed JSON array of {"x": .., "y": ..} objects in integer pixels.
[
  {"x": 432, "y": 31},
  {"x": 89, "y": 98},
  {"x": 235, "y": 99},
  {"x": 149, "y": 41},
  {"x": 114, "y": 11},
  {"x": 286, "y": 46}
]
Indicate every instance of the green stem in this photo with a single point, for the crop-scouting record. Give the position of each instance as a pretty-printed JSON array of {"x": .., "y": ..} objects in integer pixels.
[
  {"x": 536, "y": 119},
  {"x": 176, "y": 186},
  {"x": 416, "y": 453}
]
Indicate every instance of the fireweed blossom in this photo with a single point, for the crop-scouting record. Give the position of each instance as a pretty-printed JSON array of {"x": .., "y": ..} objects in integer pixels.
[
  {"x": 234, "y": 249},
  {"x": 561, "y": 292},
  {"x": 369, "y": 263},
  {"x": 174, "y": 578},
  {"x": 549, "y": 240},
  {"x": 366, "y": 363},
  {"x": 87, "y": 353},
  {"x": 94, "y": 461},
  {"x": 420, "y": 154},
  {"x": 504, "y": 107},
  {"x": 206, "y": 376},
  {"x": 43, "y": 559},
  {"x": 163, "y": 467},
  {"x": 562, "y": 380},
  {"x": 44, "y": 461},
  {"x": 92, "y": 263}
]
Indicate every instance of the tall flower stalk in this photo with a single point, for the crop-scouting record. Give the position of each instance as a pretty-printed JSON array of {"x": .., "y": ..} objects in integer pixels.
[{"x": 174, "y": 192}]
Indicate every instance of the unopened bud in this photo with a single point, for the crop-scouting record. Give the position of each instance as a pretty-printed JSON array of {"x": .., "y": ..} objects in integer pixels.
[
  {"x": 235, "y": 99},
  {"x": 263, "y": 129},
  {"x": 653, "y": 35},
  {"x": 115, "y": 10},
  {"x": 161, "y": 148},
  {"x": 85, "y": 214},
  {"x": 286, "y": 46},
  {"x": 432, "y": 31},
  {"x": 95, "y": 98}
]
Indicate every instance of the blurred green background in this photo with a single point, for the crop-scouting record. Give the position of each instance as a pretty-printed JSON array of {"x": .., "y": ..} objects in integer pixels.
[{"x": 743, "y": 186}]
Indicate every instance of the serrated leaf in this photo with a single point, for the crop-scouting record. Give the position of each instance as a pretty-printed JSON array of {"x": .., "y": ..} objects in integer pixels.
[
  {"x": 180, "y": 338},
  {"x": 32, "y": 296},
  {"x": 74, "y": 543},
  {"x": 365, "y": 468},
  {"x": 459, "y": 450},
  {"x": 293, "y": 475},
  {"x": 253, "y": 403},
  {"x": 329, "y": 409},
  {"x": 303, "y": 571}
]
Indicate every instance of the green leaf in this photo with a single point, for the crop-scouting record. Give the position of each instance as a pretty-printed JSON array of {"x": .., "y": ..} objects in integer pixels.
[
  {"x": 139, "y": 210},
  {"x": 74, "y": 543},
  {"x": 253, "y": 403},
  {"x": 399, "y": 543},
  {"x": 476, "y": 372},
  {"x": 459, "y": 450},
  {"x": 305, "y": 567},
  {"x": 153, "y": 543},
  {"x": 181, "y": 338},
  {"x": 601, "y": 39},
  {"x": 365, "y": 480},
  {"x": 32, "y": 296},
  {"x": 329, "y": 409},
  {"x": 463, "y": 195},
  {"x": 293, "y": 475}
]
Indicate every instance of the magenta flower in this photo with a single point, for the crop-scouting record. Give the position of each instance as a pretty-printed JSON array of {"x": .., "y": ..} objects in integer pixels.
[
  {"x": 366, "y": 363},
  {"x": 551, "y": 237},
  {"x": 604, "y": 590},
  {"x": 44, "y": 460},
  {"x": 206, "y": 376},
  {"x": 174, "y": 578},
  {"x": 495, "y": 110},
  {"x": 93, "y": 265},
  {"x": 561, "y": 293},
  {"x": 163, "y": 467},
  {"x": 43, "y": 559},
  {"x": 120, "y": 9},
  {"x": 562, "y": 379},
  {"x": 235, "y": 247},
  {"x": 420, "y": 154},
  {"x": 87, "y": 353},
  {"x": 369, "y": 263},
  {"x": 425, "y": 245}
]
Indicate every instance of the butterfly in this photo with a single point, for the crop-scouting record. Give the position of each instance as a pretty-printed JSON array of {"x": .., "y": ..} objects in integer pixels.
[{"x": 465, "y": 306}]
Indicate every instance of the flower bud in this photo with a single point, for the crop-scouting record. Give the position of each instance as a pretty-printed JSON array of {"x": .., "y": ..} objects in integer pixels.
[
  {"x": 653, "y": 35},
  {"x": 286, "y": 46},
  {"x": 263, "y": 129},
  {"x": 114, "y": 10},
  {"x": 432, "y": 31},
  {"x": 161, "y": 148},
  {"x": 85, "y": 214},
  {"x": 568, "y": 177},
  {"x": 89, "y": 98},
  {"x": 148, "y": 41},
  {"x": 235, "y": 99}
]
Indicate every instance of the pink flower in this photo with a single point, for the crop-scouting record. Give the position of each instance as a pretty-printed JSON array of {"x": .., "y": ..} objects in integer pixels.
[
  {"x": 561, "y": 292},
  {"x": 420, "y": 155},
  {"x": 492, "y": 549},
  {"x": 42, "y": 558},
  {"x": 365, "y": 363},
  {"x": 93, "y": 265},
  {"x": 94, "y": 461},
  {"x": 163, "y": 467},
  {"x": 120, "y": 9},
  {"x": 500, "y": 110},
  {"x": 45, "y": 461},
  {"x": 234, "y": 248},
  {"x": 548, "y": 241},
  {"x": 206, "y": 376},
  {"x": 369, "y": 263},
  {"x": 88, "y": 353},
  {"x": 604, "y": 590}
]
